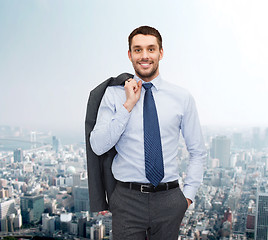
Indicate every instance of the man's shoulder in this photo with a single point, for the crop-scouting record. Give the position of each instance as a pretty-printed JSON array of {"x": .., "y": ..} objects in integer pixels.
[
  {"x": 117, "y": 88},
  {"x": 176, "y": 89},
  {"x": 111, "y": 84},
  {"x": 117, "y": 91}
]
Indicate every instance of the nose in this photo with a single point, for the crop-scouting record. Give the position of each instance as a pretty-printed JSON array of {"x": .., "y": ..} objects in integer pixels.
[{"x": 145, "y": 54}]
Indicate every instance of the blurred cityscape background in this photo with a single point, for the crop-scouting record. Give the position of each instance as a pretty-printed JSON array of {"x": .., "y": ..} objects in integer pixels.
[{"x": 44, "y": 189}]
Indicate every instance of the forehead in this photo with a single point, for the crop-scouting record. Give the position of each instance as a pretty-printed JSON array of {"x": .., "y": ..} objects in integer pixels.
[{"x": 143, "y": 40}]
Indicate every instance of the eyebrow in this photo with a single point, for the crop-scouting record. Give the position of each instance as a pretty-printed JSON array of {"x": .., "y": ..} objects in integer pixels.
[{"x": 139, "y": 46}]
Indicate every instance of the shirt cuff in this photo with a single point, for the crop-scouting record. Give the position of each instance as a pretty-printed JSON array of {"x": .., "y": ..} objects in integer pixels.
[{"x": 189, "y": 193}]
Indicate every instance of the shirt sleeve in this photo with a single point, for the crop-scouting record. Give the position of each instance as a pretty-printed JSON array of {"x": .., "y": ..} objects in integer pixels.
[
  {"x": 191, "y": 131},
  {"x": 110, "y": 124}
]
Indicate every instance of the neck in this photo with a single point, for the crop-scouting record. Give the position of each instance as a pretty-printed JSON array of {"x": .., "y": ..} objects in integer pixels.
[{"x": 148, "y": 79}]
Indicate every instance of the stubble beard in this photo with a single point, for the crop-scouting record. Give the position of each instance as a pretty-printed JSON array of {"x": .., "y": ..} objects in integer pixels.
[{"x": 146, "y": 75}]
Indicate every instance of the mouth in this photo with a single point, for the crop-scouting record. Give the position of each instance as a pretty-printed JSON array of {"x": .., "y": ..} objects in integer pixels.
[{"x": 145, "y": 65}]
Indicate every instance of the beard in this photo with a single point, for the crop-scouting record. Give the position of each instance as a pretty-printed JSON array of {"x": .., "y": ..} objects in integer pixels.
[{"x": 144, "y": 74}]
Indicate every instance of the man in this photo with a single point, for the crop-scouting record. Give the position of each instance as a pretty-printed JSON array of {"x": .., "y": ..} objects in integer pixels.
[{"x": 143, "y": 120}]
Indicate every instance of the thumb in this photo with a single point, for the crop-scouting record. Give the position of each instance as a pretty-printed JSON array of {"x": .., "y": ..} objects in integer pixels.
[{"x": 140, "y": 84}]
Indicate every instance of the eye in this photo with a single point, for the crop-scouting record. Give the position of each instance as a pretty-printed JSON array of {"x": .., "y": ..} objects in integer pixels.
[
  {"x": 151, "y": 49},
  {"x": 137, "y": 50}
]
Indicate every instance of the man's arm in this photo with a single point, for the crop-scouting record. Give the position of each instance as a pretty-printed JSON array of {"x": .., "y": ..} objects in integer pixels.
[
  {"x": 111, "y": 122},
  {"x": 191, "y": 131}
]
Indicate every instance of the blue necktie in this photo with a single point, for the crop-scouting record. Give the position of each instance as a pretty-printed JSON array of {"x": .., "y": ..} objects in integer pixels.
[{"x": 154, "y": 167}]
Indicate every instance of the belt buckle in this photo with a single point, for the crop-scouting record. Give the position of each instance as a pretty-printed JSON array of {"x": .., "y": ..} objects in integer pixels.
[{"x": 142, "y": 188}]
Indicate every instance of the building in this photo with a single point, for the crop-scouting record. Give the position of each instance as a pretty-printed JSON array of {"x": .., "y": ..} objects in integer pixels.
[
  {"x": 220, "y": 149},
  {"x": 55, "y": 144},
  {"x": 18, "y": 155},
  {"x": 48, "y": 224},
  {"x": 3, "y": 193},
  {"x": 266, "y": 137},
  {"x": 106, "y": 218},
  {"x": 32, "y": 208},
  {"x": 97, "y": 231},
  {"x": 237, "y": 140},
  {"x": 74, "y": 227},
  {"x": 33, "y": 139},
  {"x": 77, "y": 179},
  {"x": 7, "y": 207},
  {"x": 10, "y": 217},
  {"x": 3, "y": 183},
  {"x": 65, "y": 222},
  {"x": 256, "y": 139},
  {"x": 81, "y": 199},
  {"x": 261, "y": 224}
]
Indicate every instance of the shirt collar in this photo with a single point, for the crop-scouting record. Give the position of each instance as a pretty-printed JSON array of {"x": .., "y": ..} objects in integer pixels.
[{"x": 156, "y": 81}]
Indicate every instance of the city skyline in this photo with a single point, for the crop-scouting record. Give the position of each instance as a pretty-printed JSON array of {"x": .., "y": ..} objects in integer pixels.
[
  {"x": 43, "y": 189},
  {"x": 53, "y": 54}
]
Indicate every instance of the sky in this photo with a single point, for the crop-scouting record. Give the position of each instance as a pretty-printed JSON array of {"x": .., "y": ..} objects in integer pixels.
[{"x": 52, "y": 53}]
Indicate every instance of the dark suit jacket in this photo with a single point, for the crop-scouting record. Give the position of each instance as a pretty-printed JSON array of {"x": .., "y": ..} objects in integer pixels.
[{"x": 101, "y": 181}]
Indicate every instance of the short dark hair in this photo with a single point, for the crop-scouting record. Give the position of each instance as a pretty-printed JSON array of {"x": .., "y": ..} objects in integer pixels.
[{"x": 145, "y": 30}]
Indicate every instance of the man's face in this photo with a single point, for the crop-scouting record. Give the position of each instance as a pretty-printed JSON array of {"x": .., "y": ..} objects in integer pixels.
[{"x": 145, "y": 56}]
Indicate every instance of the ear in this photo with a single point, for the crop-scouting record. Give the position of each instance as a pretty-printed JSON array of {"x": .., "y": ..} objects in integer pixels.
[
  {"x": 161, "y": 53},
  {"x": 129, "y": 55}
]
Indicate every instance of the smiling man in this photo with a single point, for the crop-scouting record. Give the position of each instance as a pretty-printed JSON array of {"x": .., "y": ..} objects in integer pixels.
[{"x": 143, "y": 120}]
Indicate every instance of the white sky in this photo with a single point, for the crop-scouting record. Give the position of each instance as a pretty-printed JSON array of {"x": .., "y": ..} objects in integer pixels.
[{"x": 52, "y": 53}]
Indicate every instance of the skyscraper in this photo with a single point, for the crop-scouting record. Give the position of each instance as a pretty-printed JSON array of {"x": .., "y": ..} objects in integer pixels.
[
  {"x": 220, "y": 149},
  {"x": 33, "y": 139},
  {"x": 55, "y": 144},
  {"x": 256, "y": 139},
  {"x": 261, "y": 224},
  {"x": 266, "y": 137},
  {"x": 7, "y": 207},
  {"x": 32, "y": 208},
  {"x": 237, "y": 140},
  {"x": 18, "y": 156},
  {"x": 81, "y": 199}
]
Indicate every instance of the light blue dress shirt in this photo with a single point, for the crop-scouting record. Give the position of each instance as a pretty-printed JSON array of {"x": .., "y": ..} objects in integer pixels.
[{"x": 117, "y": 127}]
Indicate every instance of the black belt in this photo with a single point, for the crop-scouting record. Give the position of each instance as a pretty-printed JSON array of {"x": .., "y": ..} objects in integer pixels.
[{"x": 148, "y": 187}]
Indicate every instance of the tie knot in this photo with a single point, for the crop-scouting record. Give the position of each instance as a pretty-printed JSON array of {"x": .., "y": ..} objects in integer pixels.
[{"x": 147, "y": 86}]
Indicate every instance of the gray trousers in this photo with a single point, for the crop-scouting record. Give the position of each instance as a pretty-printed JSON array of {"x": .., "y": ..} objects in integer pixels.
[{"x": 155, "y": 215}]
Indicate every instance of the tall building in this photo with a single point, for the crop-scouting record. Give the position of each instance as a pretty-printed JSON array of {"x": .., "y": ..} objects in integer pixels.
[
  {"x": 266, "y": 137},
  {"x": 65, "y": 221},
  {"x": 256, "y": 139},
  {"x": 48, "y": 224},
  {"x": 33, "y": 139},
  {"x": 261, "y": 224},
  {"x": 220, "y": 149},
  {"x": 81, "y": 199},
  {"x": 82, "y": 226},
  {"x": 77, "y": 179},
  {"x": 7, "y": 207},
  {"x": 237, "y": 140},
  {"x": 32, "y": 208},
  {"x": 18, "y": 155},
  {"x": 55, "y": 144}
]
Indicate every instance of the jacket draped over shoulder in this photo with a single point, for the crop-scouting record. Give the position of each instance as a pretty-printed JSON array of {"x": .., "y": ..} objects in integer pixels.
[{"x": 101, "y": 181}]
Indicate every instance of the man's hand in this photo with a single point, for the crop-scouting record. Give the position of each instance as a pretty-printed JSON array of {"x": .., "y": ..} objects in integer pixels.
[
  {"x": 133, "y": 93},
  {"x": 189, "y": 201}
]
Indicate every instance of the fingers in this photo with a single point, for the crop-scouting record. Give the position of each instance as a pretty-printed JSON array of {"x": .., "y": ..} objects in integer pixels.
[
  {"x": 131, "y": 84},
  {"x": 140, "y": 84},
  {"x": 133, "y": 91},
  {"x": 136, "y": 86}
]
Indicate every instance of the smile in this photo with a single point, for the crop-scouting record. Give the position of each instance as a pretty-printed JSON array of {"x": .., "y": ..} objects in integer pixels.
[{"x": 145, "y": 65}]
